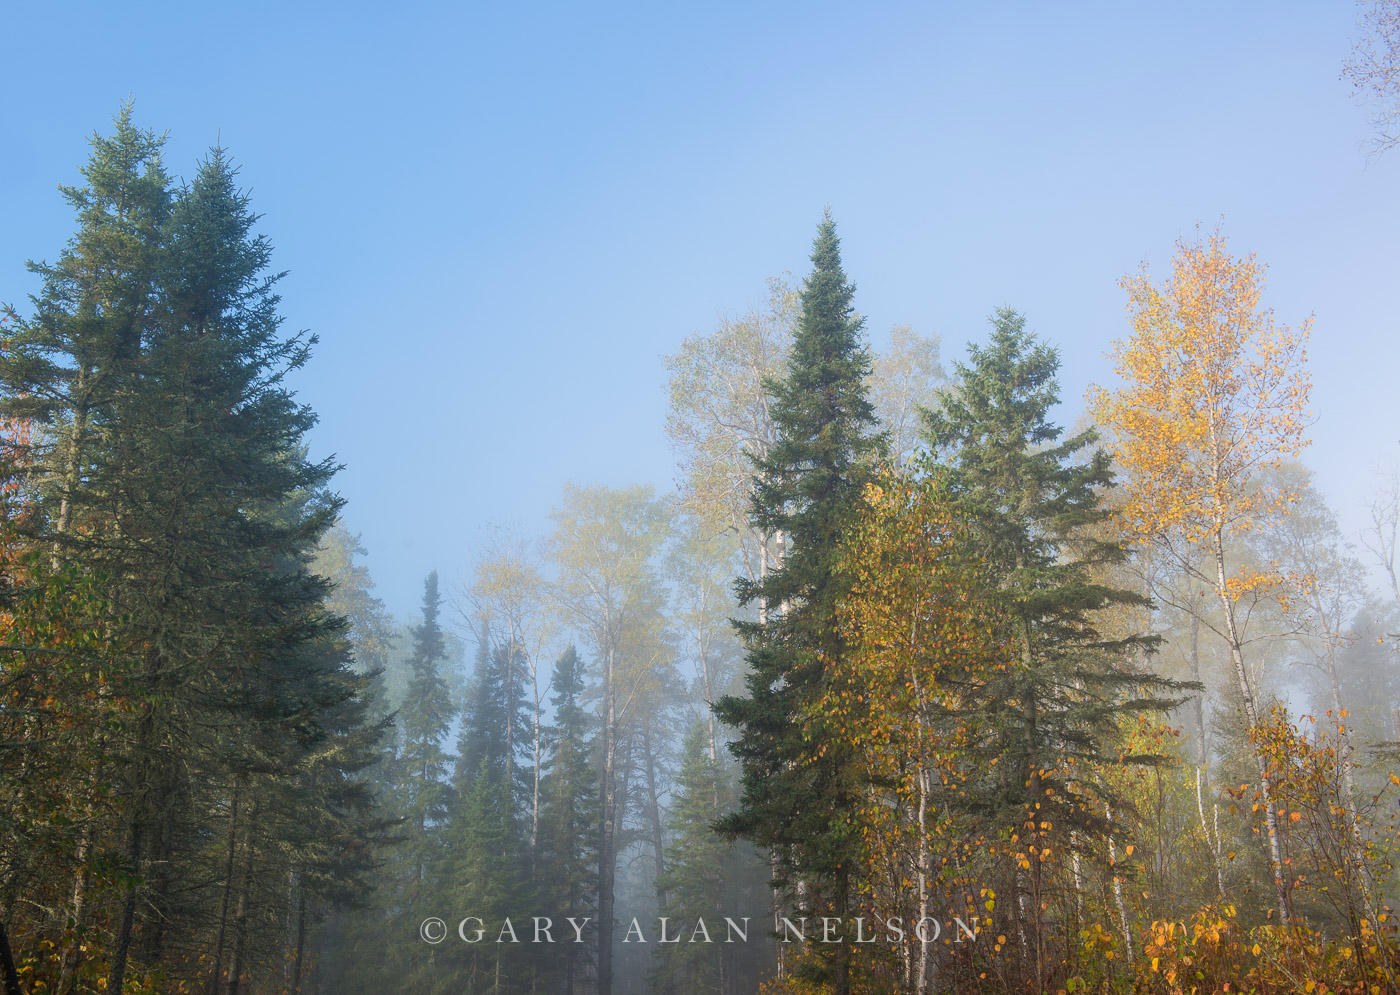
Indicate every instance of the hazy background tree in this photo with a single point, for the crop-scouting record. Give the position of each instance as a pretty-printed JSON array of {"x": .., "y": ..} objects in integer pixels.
[
  {"x": 905, "y": 379},
  {"x": 606, "y": 545},
  {"x": 1373, "y": 69}
]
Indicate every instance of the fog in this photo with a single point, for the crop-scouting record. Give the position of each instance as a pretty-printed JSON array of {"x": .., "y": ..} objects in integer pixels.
[{"x": 902, "y": 502}]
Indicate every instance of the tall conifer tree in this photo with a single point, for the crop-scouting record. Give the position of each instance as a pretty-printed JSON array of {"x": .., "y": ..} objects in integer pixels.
[
  {"x": 567, "y": 872},
  {"x": 798, "y": 793},
  {"x": 171, "y": 470},
  {"x": 495, "y": 704},
  {"x": 699, "y": 881},
  {"x": 64, "y": 369},
  {"x": 1033, "y": 500},
  {"x": 425, "y": 718}
]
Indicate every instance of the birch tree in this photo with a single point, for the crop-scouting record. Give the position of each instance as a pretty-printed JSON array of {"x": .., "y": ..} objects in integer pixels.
[
  {"x": 1213, "y": 393},
  {"x": 605, "y": 544},
  {"x": 905, "y": 380},
  {"x": 510, "y": 601},
  {"x": 1373, "y": 69},
  {"x": 720, "y": 419}
]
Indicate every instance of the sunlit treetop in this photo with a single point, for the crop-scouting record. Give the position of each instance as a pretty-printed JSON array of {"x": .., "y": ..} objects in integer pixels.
[{"x": 1213, "y": 392}]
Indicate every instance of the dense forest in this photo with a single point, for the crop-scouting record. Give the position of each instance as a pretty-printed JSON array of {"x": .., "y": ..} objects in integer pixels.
[{"x": 907, "y": 686}]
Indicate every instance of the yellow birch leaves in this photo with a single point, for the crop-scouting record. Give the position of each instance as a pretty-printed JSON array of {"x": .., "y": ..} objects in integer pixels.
[{"x": 1213, "y": 392}]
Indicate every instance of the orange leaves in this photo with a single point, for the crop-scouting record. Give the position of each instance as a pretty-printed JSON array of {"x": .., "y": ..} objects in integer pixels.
[
  {"x": 1213, "y": 391},
  {"x": 1214, "y": 954}
]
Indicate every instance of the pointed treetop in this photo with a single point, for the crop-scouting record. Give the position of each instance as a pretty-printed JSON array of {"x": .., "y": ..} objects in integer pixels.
[
  {"x": 431, "y": 598},
  {"x": 826, "y": 248}
]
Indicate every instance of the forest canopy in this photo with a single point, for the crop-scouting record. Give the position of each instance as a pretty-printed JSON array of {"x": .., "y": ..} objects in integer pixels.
[{"x": 906, "y": 686}]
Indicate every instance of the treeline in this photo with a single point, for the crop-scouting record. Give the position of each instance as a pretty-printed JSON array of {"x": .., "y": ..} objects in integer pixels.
[
  {"x": 580, "y": 779},
  {"x": 589, "y": 768},
  {"x": 1046, "y": 683},
  {"x": 991, "y": 705}
]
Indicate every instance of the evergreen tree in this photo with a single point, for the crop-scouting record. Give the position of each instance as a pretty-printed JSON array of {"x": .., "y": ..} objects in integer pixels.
[
  {"x": 66, "y": 366},
  {"x": 171, "y": 467},
  {"x": 425, "y": 718},
  {"x": 486, "y": 875},
  {"x": 699, "y": 881},
  {"x": 496, "y": 707},
  {"x": 215, "y": 512},
  {"x": 484, "y": 867},
  {"x": 1034, "y": 499},
  {"x": 63, "y": 371},
  {"x": 568, "y": 854},
  {"x": 798, "y": 793}
]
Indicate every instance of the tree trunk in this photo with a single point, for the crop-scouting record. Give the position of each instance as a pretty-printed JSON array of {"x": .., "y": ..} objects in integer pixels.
[
  {"x": 1035, "y": 791},
  {"x": 158, "y": 864},
  {"x": 7, "y": 965},
  {"x": 607, "y": 857},
  {"x": 510, "y": 723},
  {"x": 72, "y": 954},
  {"x": 921, "y": 850},
  {"x": 775, "y": 890},
  {"x": 72, "y": 472},
  {"x": 1118, "y": 889},
  {"x": 653, "y": 803},
  {"x": 774, "y": 862},
  {"x": 1356, "y": 842},
  {"x": 702, "y": 649},
  {"x": 842, "y": 984},
  {"x": 1252, "y": 715},
  {"x": 921, "y": 975},
  {"x": 240, "y": 918},
  {"x": 116, "y": 977},
  {"x": 1202, "y": 760},
  {"x": 228, "y": 888},
  {"x": 301, "y": 941},
  {"x": 1077, "y": 867},
  {"x": 535, "y": 780}
]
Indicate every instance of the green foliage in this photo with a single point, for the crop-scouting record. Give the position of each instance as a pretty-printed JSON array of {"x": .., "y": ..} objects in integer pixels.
[
  {"x": 797, "y": 799},
  {"x": 1034, "y": 501},
  {"x": 700, "y": 881},
  {"x": 424, "y": 720},
  {"x": 1049, "y": 721},
  {"x": 566, "y": 866},
  {"x": 166, "y": 470}
]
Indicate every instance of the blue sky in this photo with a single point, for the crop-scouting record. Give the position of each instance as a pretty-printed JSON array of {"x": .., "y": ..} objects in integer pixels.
[{"x": 499, "y": 219}]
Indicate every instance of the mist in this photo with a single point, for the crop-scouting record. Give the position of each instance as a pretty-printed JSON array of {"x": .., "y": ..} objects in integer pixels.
[{"x": 597, "y": 518}]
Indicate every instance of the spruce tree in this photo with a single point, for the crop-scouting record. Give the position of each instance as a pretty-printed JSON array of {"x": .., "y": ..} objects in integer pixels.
[
  {"x": 486, "y": 877},
  {"x": 66, "y": 366},
  {"x": 64, "y": 369},
  {"x": 484, "y": 867},
  {"x": 567, "y": 870},
  {"x": 425, "y": 718},
  {"x": 170, "y": 470},
  {"x": 496, "y": 706},
  {"x": 798, "y": 790},
  {"x": 215, "y": 511},
  {"x": 1034, "y": 500},
  {"x": 699, "y": 880}
]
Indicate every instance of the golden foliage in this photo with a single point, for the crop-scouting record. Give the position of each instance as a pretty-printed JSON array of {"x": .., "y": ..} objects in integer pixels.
[{"x": 1214, "y": 391}]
